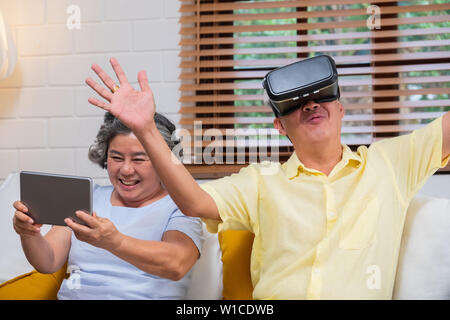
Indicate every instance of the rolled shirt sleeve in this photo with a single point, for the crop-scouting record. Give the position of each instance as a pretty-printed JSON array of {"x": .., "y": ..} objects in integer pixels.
[
  {"x": 236, "y": 198},
  {"x": 414, "y": 157},
  {"x": 190, "y": 226}
]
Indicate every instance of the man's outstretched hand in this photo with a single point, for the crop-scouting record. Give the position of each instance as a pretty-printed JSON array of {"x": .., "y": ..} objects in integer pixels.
[{"x": 135, "y": 109}]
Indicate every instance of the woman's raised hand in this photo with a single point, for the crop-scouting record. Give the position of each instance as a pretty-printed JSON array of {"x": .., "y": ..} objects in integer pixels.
[{"x": 135, "y": 109}]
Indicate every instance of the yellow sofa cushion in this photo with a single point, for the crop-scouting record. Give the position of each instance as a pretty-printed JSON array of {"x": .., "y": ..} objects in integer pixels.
[
  {"x": 236, "y": 246},
  {"x": 33, "y": 286}
]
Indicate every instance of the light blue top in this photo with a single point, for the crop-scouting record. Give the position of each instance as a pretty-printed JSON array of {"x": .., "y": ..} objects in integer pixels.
[{"x": 98, "y": 274}]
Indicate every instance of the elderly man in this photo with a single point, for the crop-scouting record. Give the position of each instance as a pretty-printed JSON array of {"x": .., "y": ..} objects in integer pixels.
[{"x": 328, "y": 218}]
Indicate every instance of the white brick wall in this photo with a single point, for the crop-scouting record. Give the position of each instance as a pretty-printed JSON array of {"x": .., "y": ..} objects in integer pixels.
[
  {"x": 46, "y": 123},
  {"x": 44, "y": 40}
]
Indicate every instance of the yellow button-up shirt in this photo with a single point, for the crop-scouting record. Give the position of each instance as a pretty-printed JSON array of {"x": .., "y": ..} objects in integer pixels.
[{"x": 329, "y": 237}]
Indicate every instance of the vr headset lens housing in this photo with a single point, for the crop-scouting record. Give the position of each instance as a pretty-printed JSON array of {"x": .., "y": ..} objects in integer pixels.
[{"x": 290, "y": 87}]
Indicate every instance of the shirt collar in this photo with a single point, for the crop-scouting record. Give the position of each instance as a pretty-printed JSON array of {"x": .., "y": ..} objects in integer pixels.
[{"x": 294, "y": 166}]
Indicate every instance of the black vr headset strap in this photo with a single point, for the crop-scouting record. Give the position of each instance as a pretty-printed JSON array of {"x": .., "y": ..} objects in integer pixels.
[{"x": 274, "y": 109}]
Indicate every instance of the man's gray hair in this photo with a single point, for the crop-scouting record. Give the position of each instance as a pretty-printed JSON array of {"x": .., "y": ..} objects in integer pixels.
[{"x": 111, "y": 127}]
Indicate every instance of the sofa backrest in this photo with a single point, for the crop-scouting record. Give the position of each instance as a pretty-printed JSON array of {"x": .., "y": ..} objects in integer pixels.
[{"x": 423, "y": 269}]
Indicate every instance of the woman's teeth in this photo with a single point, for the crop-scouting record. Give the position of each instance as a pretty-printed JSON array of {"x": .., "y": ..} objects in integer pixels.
[{"x": 129, "y": 183}]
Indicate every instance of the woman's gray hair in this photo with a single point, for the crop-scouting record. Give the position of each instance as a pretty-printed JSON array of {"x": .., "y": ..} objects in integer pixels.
[{"x": 111, "y": 127}]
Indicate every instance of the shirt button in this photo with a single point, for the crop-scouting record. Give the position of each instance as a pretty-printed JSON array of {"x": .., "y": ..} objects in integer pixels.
[
  {"x": 332, "y": 215},
  {"x": 316, "y": 270}
]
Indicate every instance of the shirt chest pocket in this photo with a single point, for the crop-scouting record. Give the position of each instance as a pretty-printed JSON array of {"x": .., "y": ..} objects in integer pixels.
[{"x": 359, "y": 225}]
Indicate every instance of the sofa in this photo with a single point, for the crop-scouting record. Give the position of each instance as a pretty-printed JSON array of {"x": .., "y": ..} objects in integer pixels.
[{"x": 222, "y": 272}]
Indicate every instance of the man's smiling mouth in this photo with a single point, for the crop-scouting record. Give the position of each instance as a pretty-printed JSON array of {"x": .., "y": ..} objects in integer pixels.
[{"x": 315, "y": 117}]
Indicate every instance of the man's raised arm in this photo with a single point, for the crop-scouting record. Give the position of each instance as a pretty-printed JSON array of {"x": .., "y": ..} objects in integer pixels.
[
  {"x": 136, "y": 110},
  {"x": 184, "y": 190},
  {"x": 446, "y": 135}
]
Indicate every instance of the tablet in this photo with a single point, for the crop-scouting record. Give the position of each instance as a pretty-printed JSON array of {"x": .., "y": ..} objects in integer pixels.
[{"x": 50, "y": 198}]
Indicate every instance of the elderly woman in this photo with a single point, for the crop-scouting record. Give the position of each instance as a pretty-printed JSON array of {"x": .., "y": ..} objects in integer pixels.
[{"x": 136, "y": 245}]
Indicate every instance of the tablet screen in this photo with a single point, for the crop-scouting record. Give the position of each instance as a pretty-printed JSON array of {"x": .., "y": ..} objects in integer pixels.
[{"x": 51, "y": 198}]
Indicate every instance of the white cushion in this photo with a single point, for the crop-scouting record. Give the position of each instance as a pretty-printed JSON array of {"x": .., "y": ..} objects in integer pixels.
[
  {"x": 206, "y": 277},
  {"x": 12, "y": 258},
  {"x": 424, "y": 263}
]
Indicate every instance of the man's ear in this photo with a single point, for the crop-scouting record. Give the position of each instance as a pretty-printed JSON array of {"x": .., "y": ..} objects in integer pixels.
[
  {"x": 279, "y": 126},
  {"x": 341, "y": 109}
]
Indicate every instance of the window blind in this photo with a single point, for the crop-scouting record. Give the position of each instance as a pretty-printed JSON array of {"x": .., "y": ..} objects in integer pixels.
[{"x": 392, "y": 59}]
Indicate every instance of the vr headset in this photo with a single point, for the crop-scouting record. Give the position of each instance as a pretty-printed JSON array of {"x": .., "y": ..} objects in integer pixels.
[{"x": 290, "y": 87}]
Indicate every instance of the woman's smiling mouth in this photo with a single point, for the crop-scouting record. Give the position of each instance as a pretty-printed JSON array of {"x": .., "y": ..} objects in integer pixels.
[{"x": 129, "y": 183}]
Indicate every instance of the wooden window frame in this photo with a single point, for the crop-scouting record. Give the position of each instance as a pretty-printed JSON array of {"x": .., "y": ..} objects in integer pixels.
[{"x": 210, "y": 53}]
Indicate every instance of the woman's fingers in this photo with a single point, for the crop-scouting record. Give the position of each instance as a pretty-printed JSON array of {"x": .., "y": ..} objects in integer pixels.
[
  {"x": 98, "y": 103},
  {"x": 22, "y": 217},
  {"x": 91, "y": 221},
  {"x": 20, "y": 206},
  {"x": 78, "y": 228},
  {"x": 105, "y": 93},
  {"x": 143, "y": 81},
  {"x": 23, "y": 224},
  {"x": 109, "y": 83},
  {"x": 119, "y": 71}
]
